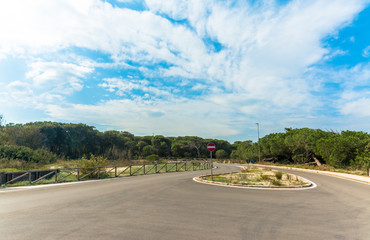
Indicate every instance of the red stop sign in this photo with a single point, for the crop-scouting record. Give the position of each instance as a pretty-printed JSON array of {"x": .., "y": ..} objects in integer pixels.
[{"x": 211, "y": 147}]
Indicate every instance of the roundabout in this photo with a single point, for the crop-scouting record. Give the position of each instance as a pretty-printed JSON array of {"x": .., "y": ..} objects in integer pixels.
[{"x": 173, "y": 206}]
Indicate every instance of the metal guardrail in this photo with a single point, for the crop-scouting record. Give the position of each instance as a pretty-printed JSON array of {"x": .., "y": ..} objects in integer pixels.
[{"x": 32, "y": 177}]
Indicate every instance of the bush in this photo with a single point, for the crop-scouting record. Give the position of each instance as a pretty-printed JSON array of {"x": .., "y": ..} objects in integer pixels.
[
  {"x": 14, "y": 152},
  {"x": 265, "y": 177},
  {"x": 88, "y": 166},
  {"x": 276, "y": 183},
  {"x": 278, "y": 175},
  {"x": 153, "y": 157}
]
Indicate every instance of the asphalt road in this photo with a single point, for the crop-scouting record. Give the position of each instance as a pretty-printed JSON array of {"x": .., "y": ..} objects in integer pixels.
[{"x": 173, "y": 206}]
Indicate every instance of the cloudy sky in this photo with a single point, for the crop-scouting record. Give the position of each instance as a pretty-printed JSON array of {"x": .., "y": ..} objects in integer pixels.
[{"x": 189, "y": 67}]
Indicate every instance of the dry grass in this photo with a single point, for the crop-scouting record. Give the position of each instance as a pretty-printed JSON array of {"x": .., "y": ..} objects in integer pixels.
[{"x": 259, "y": 177}]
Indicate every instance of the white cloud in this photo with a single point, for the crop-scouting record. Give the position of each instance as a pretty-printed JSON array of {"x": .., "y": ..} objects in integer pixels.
[
  {"x": 44, "y": 83},
  {"x": 177, "y": 10},
  {"x": 355, "y": 77},
  {"x": 199, "y": 86},
  {"x": 355, "y": 105},
  {"x": 175, "y": 116},
  {"x": 55, "y": 73},
  {"x": 20, "y": 92},
  {"x": 259, "y": 72},
  {"x": 260, "y": 42},
  {"x": 347, "y": 90},
  {"x": 125, "y": 1},
  {"x": 366, "y": 52},
  {"x": 124, "y": 87}
]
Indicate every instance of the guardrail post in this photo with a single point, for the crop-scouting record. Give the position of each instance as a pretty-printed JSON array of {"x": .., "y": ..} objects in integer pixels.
[
  {"x": 29, "y": 177},
  {"x": 166, "y": 167},
  {"x": 144, "y": 169},
  {"x": 56, "y": 176},
  {"x": 156, "y": 167},
  {"x": 130, "y": 171},
  {"x": 176, "y": 167},
  {"x": 185, "y": 166},
  {"x": 115, "y": 171},
  {"x": 78, "y": 174}
]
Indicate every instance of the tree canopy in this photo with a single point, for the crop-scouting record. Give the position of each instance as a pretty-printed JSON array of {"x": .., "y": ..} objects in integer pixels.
[
  {"x": 304, "y": 145},
  {"x": 73, "y": 141},
  {"x": 31, "y": 141}
]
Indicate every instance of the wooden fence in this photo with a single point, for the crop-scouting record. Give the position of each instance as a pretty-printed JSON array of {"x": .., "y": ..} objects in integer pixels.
[{"x": 32, "y": 177}]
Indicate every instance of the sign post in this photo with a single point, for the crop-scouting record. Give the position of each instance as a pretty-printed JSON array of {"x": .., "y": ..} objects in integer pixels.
[{"x": 211, "y": 147}]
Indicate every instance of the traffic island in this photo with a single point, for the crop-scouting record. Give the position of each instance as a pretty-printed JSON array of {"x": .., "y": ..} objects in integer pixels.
[{"x": 253, "y": 177}]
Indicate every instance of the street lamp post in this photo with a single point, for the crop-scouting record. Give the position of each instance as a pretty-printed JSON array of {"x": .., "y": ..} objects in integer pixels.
[{"x": 259, "y": 150}]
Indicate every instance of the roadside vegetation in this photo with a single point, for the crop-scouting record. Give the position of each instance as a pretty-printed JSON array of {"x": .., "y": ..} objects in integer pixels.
[
  {"x": 257, "y": 177},
  {"x": 50, "y": 144},
  {"x": 99, "y": 168},
  {"x": 348, "y": 150},
  {"x": 40, "y": 144}
]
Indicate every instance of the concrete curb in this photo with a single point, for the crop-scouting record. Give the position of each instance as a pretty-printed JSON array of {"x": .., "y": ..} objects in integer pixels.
[{"x": 309, "y": 185}]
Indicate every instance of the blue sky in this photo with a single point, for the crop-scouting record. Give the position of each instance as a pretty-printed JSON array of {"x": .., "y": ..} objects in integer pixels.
[{"x": 190, "y": 67}]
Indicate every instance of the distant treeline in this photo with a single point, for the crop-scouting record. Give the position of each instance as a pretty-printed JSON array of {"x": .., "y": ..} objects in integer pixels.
[
  {"x": 33, "y": 142},
  {"x": 300, "y": 146},
  {"x": 44, "y": 142}
]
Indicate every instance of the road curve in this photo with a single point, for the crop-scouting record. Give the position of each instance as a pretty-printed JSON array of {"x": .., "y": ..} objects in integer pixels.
[{"x": 173, "y": 206}]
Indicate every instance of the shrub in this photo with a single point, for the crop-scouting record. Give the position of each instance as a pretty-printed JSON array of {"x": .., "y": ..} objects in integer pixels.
[
  {"x": 276, "y": 183},
  {"x": 153, "y": 157},
  {"x": 278, "y": 175},
  {"x": 88, "y": 166},
  {"x": 265, "y": 177},
  {"x": 14, "y": 152}
]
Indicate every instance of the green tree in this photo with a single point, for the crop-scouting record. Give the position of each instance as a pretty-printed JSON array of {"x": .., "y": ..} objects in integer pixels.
[
  {"x": 148, "y": 150},
  {"x": 195, "y": 143},
  {"x": 240, "y": 151},
  {"x": 302, "y": 143},
  {"x": 221, "y": 154},
  {"x": 140, "y": 146},
  {"x": 344, "y": 149},
  {"x": 179, "y": 148},
  {"x": 1, "y": 121},
  {"x": 363, "y": 158},
  {"x": 161, "y": 145}
]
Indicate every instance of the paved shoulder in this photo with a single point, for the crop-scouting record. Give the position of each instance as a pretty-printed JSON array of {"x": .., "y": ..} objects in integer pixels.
[{"x": 362, "y": 179}]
